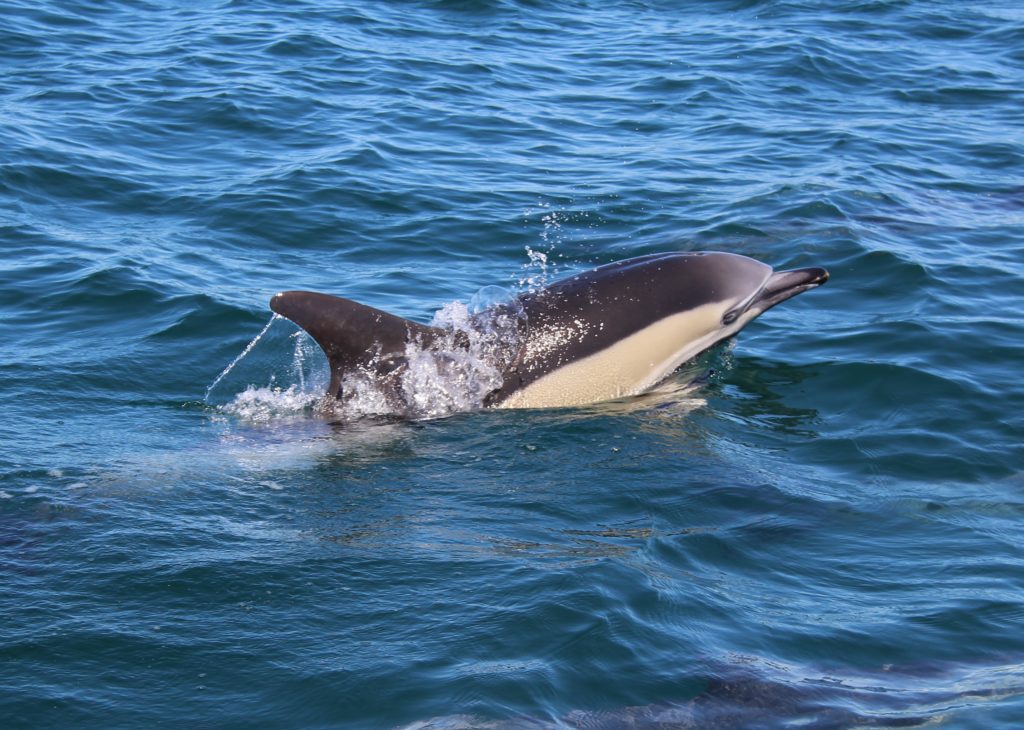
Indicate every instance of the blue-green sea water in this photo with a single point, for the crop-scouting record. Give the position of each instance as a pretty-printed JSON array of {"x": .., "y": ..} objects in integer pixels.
[{"x": 827, "y": 531}]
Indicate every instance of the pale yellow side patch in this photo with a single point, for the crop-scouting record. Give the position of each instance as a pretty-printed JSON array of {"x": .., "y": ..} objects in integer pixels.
[{"x": 630, "y": 366}]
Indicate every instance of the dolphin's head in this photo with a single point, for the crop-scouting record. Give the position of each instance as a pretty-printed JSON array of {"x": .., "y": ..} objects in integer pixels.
[
  {"x": 746, "y": 288},
  {"x": 710, "y": 296},
  {"x": 716, "y": 294},
  {"x": 725, "y": 291}
]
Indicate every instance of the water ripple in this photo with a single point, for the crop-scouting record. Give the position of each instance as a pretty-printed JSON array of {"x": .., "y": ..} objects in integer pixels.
[{"x": 823, "y": 531}]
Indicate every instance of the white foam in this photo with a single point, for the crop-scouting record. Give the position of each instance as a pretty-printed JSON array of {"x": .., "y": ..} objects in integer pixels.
[
  {"x": 271, "y": 402},
  {"x": 455, "y": 373}
]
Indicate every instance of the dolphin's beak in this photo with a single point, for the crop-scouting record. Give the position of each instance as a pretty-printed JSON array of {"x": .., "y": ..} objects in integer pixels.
[{"x": 782, "y": 285}]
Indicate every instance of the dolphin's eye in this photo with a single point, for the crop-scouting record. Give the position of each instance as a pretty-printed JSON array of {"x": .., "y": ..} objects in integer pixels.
[{"x": 730, "y": 316}]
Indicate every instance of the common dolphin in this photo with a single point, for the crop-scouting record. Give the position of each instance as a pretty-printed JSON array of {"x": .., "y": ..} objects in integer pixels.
[{"x": 613, "y": 331}]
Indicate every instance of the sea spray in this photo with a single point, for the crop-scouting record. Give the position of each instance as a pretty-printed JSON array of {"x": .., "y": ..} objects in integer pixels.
[
  {"x": 302, "y": 355},
  {"x": 469, "y": 363},
  {"x": 535, "y": 272},
  {"x": 271, "y": 402},
  {"x": 455, "y": 373},
  {"x": 291, "y": 386},
  {"x": 240, "y": 357}
]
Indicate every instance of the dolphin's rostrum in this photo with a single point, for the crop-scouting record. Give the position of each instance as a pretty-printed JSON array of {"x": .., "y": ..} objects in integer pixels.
[{"x": 609, "y": 332}]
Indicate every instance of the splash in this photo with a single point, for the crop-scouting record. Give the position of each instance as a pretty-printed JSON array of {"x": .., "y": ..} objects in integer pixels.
[
  {"x": 303, "y": 354},
  {"x": 536, "y": 272},
  {"x": 453, "y": 373},
  {"x": 294, "y": 382},
  {"x": 271, "y": 403},
  {"x": 240, "y": 357}
]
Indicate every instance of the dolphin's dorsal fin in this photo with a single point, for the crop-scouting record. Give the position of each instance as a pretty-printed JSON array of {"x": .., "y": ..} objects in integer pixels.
[{"x": 352, "y": 335}]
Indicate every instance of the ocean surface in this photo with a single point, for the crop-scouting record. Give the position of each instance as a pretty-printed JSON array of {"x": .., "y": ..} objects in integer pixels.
[{"x": 826, "y": 530}]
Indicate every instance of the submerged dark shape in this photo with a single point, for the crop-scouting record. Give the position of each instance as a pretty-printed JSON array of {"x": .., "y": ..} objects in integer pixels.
[
  {"x": 750, "y": 692},
  {"x": 612, "y": 331}
]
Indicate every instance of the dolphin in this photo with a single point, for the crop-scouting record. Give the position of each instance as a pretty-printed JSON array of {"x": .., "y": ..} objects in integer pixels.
[{"x": 612, "y": 331}]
